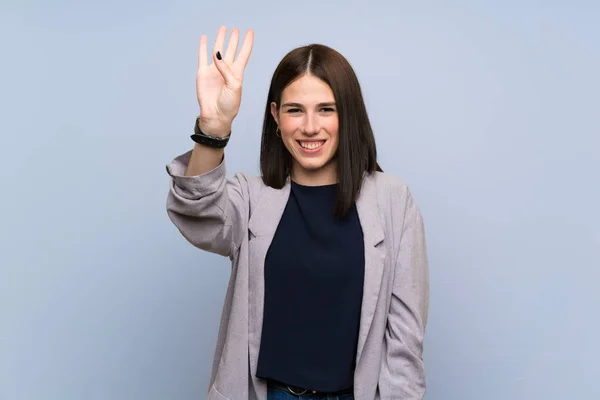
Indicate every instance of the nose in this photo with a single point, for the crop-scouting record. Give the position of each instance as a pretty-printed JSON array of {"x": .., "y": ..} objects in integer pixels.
[{"x": 311, "y": 125}]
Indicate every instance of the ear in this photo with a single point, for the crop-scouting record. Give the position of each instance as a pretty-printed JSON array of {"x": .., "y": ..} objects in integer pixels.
[{"x": 274, "y": 112}]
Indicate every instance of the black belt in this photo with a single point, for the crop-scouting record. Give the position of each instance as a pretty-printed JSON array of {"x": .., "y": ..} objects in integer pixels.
[{"x": 298, "y": 391}]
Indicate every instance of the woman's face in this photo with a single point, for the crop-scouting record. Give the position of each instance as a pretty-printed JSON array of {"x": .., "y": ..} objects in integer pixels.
[{"x": 308, "y": 121}]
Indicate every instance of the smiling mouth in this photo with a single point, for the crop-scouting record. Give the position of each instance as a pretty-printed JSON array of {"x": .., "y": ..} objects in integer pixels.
[{"x": 311, "y": 145}]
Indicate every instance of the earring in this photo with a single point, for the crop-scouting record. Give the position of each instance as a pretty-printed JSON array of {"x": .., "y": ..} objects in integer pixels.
[{"x": 278, "y": 132}]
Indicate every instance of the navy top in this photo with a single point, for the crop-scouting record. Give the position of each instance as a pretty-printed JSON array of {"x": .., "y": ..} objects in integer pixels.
[{"x": 314, "y": 274}]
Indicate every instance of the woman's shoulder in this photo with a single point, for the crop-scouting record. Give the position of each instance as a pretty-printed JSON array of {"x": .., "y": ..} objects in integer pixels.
[
  {"x": 388, "y": 183},
  {"x": 393, "y": 193}
]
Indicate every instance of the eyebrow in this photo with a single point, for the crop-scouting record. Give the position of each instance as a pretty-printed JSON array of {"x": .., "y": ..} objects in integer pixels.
[{"x": 327, "y": 104}]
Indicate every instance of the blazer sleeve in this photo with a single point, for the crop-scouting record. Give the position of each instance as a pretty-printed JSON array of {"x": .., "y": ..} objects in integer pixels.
[
  {"x": 403, "y": 371},
  {"x": 209, "y": 210}
]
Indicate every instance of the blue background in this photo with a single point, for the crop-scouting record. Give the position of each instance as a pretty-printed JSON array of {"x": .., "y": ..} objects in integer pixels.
[{"x": 489, "y": 110}]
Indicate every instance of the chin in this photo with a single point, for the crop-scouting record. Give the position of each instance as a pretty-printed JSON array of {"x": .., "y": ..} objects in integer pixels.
[
  {"x": 312, "y": 162},
  {"x": 313, "y": 165}
]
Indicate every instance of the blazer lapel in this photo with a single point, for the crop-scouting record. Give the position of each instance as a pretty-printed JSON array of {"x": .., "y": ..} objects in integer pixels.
[
  {"x": 373, "y": 234},
  {"x": 268, "y": 210},
  {"x": 262, "y": 226}
]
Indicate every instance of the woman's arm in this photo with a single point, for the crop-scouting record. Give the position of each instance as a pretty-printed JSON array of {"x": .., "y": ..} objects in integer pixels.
[
  {"x": 210, "y": 211},
  {"x": 403, "y": 372},
  {"x": 203, "y": 159}
]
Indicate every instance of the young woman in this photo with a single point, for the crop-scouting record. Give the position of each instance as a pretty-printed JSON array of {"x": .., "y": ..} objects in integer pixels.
[{"x": 328, "y": 295}]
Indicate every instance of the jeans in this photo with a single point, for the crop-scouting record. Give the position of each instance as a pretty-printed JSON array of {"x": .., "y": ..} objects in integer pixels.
[{"x": 276, "y": 393}]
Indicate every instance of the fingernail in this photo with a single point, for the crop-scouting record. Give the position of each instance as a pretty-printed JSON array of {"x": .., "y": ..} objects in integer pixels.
[{"x": 218, "y": 55}]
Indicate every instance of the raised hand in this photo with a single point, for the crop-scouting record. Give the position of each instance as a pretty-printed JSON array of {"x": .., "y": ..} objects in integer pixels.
[{"x": 219, "y": 85}]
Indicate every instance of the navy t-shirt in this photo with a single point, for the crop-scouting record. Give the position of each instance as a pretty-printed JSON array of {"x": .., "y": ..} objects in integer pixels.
[{"x": 314, "y": 274}]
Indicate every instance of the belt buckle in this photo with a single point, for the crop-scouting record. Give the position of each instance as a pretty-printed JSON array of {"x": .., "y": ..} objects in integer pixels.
[{"x": 297, "y": 394}]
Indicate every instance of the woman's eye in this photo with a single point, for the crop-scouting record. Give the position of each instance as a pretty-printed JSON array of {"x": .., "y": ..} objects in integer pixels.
[{"x": 297, "y": 110}]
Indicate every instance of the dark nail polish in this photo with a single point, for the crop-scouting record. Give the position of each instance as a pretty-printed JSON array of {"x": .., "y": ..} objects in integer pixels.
[{"x": 218, "y": 55}]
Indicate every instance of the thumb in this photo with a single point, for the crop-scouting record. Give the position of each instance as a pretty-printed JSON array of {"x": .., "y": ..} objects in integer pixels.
[{"x": 230, "y": 80}]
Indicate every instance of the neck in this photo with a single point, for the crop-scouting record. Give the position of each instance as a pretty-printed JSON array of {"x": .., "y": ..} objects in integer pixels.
[{"x": 326, "y": 175}]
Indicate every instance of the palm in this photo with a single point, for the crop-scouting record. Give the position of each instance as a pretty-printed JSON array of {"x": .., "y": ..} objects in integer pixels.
[
  {"x": 216, "y": 100},
  {"x": 219, "y": 90}
]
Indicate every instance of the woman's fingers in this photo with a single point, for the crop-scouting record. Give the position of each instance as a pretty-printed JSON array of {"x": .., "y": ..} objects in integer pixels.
[
  {"x": 230, "y": 79},
  {"x": 232, "y": 46},
  {"x": 246, "y": 49},
  {"x": 202, "y": 55},
  {"x": 229, "y": 55},
  {"x": 220, "y": 40}
]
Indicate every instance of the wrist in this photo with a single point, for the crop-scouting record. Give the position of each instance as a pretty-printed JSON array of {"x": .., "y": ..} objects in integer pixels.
[
  {"x": 211, "y": 128},
  {"x": 217, "y": 136}
]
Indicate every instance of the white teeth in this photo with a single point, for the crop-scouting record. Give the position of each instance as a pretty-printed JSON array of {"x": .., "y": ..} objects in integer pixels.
[{"x": 311, "y": 145}]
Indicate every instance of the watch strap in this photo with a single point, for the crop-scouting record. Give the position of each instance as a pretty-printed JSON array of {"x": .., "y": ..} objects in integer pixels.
[{"x": 208, "y": 140}]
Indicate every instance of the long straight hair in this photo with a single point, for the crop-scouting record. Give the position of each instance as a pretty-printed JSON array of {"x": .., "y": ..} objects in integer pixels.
[{"x": 356, "y": 154}]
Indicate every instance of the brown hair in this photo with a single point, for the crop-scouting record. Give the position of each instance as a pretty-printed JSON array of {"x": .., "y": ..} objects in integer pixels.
[{"x": 356, "y": 153}]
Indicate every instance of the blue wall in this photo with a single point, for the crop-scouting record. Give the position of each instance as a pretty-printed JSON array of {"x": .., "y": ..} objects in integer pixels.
[{"x": 489, "y": 110}]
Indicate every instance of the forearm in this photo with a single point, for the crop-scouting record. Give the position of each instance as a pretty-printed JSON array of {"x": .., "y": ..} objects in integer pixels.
[
  {"x": 403, "y": 370},
  {"x": 203, "y": 160}
]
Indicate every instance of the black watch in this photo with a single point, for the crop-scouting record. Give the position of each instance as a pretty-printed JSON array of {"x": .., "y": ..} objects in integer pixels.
[{"x": 208, "y": 140}]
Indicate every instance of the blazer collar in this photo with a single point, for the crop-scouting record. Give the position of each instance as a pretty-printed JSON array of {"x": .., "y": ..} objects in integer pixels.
[
  {"x": 271, "y": 204},
  {"x": 268, "y": 210}
]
